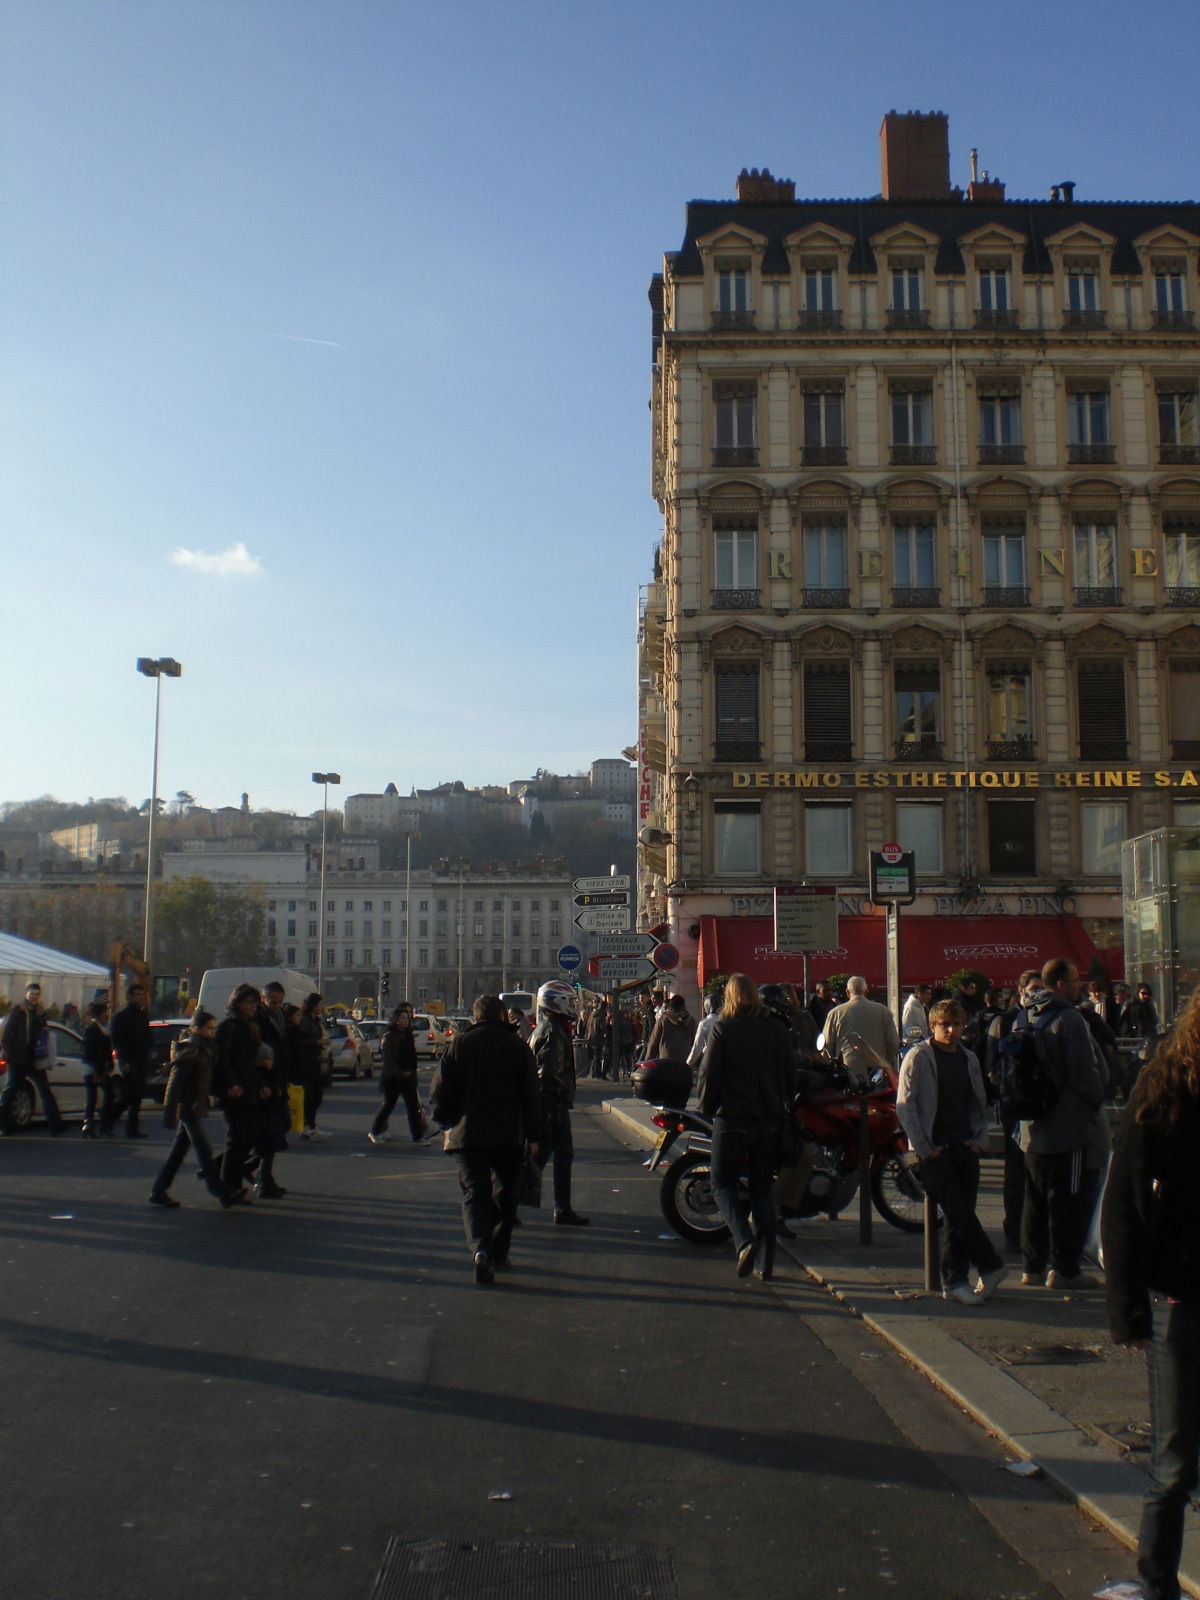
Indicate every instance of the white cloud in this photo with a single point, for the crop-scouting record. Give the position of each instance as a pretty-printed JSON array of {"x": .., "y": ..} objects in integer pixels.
[{"x": 236, "y": 562}]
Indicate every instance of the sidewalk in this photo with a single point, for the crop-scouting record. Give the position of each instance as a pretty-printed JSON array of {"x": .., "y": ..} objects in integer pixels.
[{"x": 1036, "y": 1367}]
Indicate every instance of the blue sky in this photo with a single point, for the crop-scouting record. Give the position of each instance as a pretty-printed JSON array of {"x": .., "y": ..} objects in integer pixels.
[{"x": 326, "y": 344}]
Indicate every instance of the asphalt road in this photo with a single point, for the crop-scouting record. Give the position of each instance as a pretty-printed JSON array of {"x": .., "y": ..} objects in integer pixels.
[{"x": 254, "y": 1403}]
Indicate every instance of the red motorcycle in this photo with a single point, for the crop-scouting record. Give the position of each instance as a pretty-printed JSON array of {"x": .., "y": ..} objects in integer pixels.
[{"x": 826, "y": 1176}]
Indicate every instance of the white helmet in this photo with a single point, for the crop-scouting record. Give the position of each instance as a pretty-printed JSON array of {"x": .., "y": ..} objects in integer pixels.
[{"x": 557, "y": 996}]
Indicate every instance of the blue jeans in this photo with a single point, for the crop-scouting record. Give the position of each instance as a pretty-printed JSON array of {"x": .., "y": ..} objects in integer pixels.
[
  {"x": 1173, "y": 1361},
  {"x": 190, "y": 1134},
  {"x": 746, "y": 1148}
]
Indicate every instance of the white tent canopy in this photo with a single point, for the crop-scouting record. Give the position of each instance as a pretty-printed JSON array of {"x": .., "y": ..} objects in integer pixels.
[{"x": 63, "y": 977}]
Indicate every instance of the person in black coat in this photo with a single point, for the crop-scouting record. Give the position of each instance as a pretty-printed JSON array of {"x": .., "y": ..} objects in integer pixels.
[
  {"x": 238, "y": 1084},
  {"x": 131, "y": 1046},
  {"x": 1150, "y": 1228},
  {"x": 747, "y": 1085},
  {"x": 398, "y": 1077},
  {"x": 19, "y": 1042},
  {"x": 308, "y": 1064},
  {"x": 185, "y": 1106},
  {"x": 97, "y": 1070},
  {"x": 274, "y": 1112},
  {"x": 485, "y": 1093}
]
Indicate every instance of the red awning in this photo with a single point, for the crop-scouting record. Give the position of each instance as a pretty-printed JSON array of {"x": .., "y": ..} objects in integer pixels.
[{"x": 931, "y": 948}]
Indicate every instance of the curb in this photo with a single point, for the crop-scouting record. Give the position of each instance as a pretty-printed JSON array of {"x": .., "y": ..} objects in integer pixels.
[{"x": 1105, "y": 1488}]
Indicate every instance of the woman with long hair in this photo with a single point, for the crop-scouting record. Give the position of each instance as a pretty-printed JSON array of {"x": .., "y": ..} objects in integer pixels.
[
  {"x": 747, "y": 1084},
  {"x": 308, "y": 1047},
  {"x": 1151, "y": 1233}
]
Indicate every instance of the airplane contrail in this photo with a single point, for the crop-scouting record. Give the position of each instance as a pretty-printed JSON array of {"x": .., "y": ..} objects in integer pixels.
[{"x": 299, "y": 338}]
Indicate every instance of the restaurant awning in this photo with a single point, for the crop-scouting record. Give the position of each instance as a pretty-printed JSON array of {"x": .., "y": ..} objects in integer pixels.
[{"x": 931, "y": 948}]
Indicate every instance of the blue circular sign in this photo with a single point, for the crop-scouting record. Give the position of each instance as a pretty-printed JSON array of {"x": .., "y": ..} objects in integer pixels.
[{"x": 569, "y": 957}]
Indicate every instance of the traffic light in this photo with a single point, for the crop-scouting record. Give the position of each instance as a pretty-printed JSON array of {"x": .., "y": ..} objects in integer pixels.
[{"x": 385, "y": 984}]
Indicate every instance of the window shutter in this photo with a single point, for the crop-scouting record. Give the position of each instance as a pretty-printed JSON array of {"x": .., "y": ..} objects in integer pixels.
[
  {"x": 1103, "y": 731},
  {"x": 828, "y": 729},
  {"x": 736, "y": 692}
]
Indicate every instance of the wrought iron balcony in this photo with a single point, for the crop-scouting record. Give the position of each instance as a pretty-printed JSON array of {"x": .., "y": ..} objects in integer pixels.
[
  {"x": 735, "y": 455},
  {"x": 919, "y": 747},
  {"x": 828, "y": 750},
  {"x": 737, "y": 750},
  {"x": 910, "y": 598},
  {"x": 996, "y": 319},
  {"x": 1174, "y": 321},
  {"x": 907, "y": 319},
  {"x": 1010, "y": 749},
  {"x": 1085, "y": 319},
  {"x": 823, "y": 455},
  {"x": 1098, "y": 597},
  {"x": 914, "y": 455},
  {"x": 1009, "y": 595},
  {"x": 1182, "y": 596},
  {"x": 1001, "y": 455},
  {"x": 1091, "y": 455},
  {"x": 826, "y": 599},
  {"x": 820, "y": 321},
  {"x": 726, "y": 320},
  {"x": 735, "y": 599},
  {"x": 1179, "y": 455}
]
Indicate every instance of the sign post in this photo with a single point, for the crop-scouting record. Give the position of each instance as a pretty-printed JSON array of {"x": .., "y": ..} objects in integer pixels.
[{"x": 893, "y": 884}]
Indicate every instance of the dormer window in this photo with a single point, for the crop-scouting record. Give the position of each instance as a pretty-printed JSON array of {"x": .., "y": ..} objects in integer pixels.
[
  {"x": 1170, "y": 295},
  {"x": 907, "y": 309},
  {"x": 733, "y": 294},
  {"x": 1083, "y": 294},
  {"x": 819, "y": 295},
  {"x": 995, "y": 309}
]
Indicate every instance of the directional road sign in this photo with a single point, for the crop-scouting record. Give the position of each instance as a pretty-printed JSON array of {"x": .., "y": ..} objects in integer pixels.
[
  {"x": 569, "y": 957},
  {"x": 625, "y": 944},
  {"x": 618, "y": 898},
  {"x": 606, "y": 919},
  {"x": 619, "y": 969},
  {"x": 599, "y": 885}
]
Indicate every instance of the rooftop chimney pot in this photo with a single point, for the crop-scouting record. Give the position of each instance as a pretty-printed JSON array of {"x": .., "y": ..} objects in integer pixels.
[{"x": 914, "y": 149}]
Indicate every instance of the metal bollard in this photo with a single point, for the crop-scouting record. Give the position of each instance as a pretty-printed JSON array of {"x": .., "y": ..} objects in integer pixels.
[{"x": 932, "y": 1272}]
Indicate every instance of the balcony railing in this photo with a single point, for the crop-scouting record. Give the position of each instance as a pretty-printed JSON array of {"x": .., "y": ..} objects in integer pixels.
[
  {"x": 1010, "y": 749},
  {"x": 914, "y": 455},
  {"x": 828, "y": 750},
  {"x": 1085, "y": 319},
  {"x": 735, "y": 599},
  {"x": 1008, "y": 595},
  {"x": 1102, "y": 748},
  {"x": 911, "y": 598},
  {"x": 907, "y": 319},
  {"x": 996, "y": 319},
  {"x": 1097, "y": 596},
  {"x": 820, "y": 321},
  {"x": 1179, "y": 455},
  {"x": 1091, "y": 455},
  {"x": 1174, "y": 321},
  {"x": 826, "y": 599},
  {"x": 1182, "y": 595},
  {"x": 735, "y": 455},
  {"x": 732, "y": 319},
  {"x": 737, "y": 750},
  {"x": 1001, "y": 455},
  {"x": 919, "y": 747},
  {"x": 823, "y": 455}
]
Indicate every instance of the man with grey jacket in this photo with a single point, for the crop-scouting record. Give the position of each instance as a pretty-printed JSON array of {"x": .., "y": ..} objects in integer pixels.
[
  {"x": 1053, "y": 1222},
  {"x": 942, "y": 1106}
]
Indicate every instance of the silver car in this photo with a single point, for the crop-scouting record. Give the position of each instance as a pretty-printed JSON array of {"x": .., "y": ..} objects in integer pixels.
[{"x": 66, "y": 1081}]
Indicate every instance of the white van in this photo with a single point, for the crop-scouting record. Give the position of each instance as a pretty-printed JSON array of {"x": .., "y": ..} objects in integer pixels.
[{"x": 218, "y": 983}]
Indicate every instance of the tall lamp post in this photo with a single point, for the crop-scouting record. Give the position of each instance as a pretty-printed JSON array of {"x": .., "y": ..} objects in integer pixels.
[
  {"x": 413, "y": 833},
  {"x": 158, "y": 669},
  {"x": 324, "y": 779}
]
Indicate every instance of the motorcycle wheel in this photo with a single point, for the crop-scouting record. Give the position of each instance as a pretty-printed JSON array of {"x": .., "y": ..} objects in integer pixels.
[
  {"x": 898, "y": 1193},
  {"x": 687, "y": 1200}
]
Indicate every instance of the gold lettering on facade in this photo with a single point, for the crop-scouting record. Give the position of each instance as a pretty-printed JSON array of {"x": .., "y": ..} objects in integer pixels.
[
  {"x": 959, "y": 562},
  {"x": 1053, "y": 561},
  {"x": 779, "y": 563},
  {"x": 968, "y": 778},
  {"x": 870, "y": 563},
  {"x": 1144, "y": 560}
]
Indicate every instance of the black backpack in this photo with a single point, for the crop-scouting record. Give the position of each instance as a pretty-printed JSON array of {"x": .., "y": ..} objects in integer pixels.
[{"x": 1030, "y": 1078}]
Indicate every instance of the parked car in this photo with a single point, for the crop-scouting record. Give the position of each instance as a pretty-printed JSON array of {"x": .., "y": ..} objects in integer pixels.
[
  {"x": 373, "y": 1032},
  {"x": 429, "y": 1035},
  {"x": 349, "y": 1053},
  {"x": 66, "y": 1079}
]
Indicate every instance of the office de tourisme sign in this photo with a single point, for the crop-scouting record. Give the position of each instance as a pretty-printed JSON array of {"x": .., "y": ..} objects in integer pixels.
[{"x": 969, "y": 778}]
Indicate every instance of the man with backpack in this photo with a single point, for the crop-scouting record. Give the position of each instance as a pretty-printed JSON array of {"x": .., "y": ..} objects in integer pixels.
[{"x": 1051, "y": 1082}]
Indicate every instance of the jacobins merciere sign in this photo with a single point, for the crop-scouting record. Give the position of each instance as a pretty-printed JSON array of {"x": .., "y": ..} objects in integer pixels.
[{"x": 967, "y": 778}]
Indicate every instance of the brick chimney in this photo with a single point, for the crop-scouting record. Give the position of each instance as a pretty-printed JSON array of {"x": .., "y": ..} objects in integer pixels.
[
  {"x": 754, "y": 187},
  {"x": 914, "y": 149}
]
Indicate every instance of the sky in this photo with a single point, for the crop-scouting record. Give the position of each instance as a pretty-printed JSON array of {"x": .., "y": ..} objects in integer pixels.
[{"x": 325, "y": 343}]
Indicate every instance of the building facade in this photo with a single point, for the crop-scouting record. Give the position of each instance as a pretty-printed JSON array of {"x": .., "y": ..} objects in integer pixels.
[{"x": 929, "y": 471}]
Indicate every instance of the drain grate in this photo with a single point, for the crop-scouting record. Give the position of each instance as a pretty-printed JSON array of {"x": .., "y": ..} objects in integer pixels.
[
  {"x": 1048, "y": 1355},
  {"x": 534, "y": 1570}
]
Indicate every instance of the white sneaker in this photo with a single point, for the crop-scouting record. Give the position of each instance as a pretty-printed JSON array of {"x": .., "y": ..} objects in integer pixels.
[
  {"x": 308, "y": 1133},
  {"x": 1081, "y": 1280},
  {"x": 963, "y": 1293},
  {"x": 377, "y": 1138},
  {"x": 989, "y": 1282},
  {"x": 321, "y": 1133}
]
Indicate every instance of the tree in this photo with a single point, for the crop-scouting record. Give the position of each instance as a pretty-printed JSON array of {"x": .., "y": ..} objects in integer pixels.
[{"x": 200, "y": 924}]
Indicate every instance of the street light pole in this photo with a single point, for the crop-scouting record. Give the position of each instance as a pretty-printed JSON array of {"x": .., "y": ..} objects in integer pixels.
[
  {"x": 158, "y": 669},
  {"x": 408, "y": 921},
  {"x": 324, "y": 779},
  {"x": 462, "y": 867}
]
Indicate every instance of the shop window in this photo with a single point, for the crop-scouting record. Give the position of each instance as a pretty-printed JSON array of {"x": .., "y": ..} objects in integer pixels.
[
  {"x": 1103, "y": 827},
  {"x": 828, "y": 839},
  {"x": 1012, "y": 838},
  {"x": 737, "y": 828}
]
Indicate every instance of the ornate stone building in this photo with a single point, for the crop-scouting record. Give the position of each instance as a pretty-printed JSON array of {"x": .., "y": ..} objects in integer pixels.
[{"x": 929, "y": 471}]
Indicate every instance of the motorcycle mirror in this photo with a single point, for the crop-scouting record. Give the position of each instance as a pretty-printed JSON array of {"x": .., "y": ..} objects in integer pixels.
[{"x": 821, "y": 1040}]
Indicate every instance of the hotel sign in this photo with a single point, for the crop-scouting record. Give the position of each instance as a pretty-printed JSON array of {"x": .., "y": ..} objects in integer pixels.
[{"x": 967, "y": 778}]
